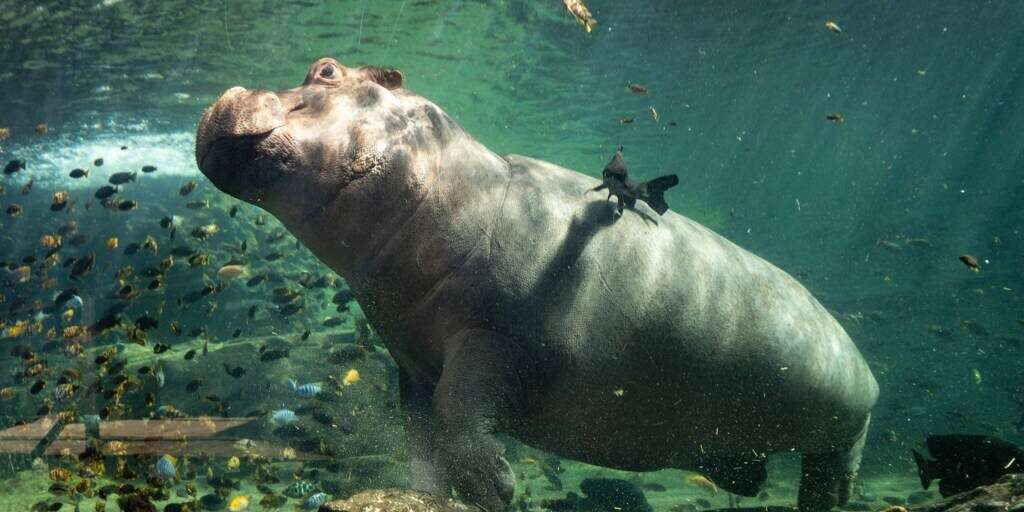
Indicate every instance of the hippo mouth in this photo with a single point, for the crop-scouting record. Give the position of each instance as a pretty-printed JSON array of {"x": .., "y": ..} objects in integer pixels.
[{"x": 240, "y": 143}]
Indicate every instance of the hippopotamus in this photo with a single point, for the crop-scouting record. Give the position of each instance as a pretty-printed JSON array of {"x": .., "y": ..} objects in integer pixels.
[{"x": 517, "y": 305}]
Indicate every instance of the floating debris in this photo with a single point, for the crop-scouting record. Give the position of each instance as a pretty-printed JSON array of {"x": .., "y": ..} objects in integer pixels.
[{"x": 835, "y": 117}]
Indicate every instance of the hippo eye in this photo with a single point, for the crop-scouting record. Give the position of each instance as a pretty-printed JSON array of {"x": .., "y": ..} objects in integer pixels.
[{"x": 327, "y": 71}]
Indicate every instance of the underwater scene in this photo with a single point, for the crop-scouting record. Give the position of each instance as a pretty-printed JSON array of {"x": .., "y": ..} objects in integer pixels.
[{"x": 565, "y": 255}]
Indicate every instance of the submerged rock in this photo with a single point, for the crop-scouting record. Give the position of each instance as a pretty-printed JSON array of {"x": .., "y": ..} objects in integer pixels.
[
  {"x": 396, "y": 499},
  {"x": 1006, "y": 494}
]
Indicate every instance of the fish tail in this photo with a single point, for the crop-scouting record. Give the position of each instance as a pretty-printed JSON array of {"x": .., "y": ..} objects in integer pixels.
[
  {"x": 654, "y": 192},
  {"x": 923, "y": 469},
  {"x": 292, "y": 385}
]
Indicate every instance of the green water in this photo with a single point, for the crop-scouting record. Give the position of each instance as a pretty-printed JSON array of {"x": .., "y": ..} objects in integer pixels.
[{"x": 870, "y": 214}]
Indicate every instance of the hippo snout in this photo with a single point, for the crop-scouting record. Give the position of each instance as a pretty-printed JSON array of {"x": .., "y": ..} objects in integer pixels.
[{"x": 238, "y": 113}]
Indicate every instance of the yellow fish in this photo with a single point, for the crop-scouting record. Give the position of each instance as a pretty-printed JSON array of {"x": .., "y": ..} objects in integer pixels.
[
  {"x": 238, "y": 503},
  {"x": 703, "y": 482},
  {"x": 112, "y": 242},
  {"x": 234, "y": 463},
  {"x": 351, "y": 377}
]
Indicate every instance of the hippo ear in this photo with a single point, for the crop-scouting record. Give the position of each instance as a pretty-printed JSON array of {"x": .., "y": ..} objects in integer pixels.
[{"x": 388, "y": 77}]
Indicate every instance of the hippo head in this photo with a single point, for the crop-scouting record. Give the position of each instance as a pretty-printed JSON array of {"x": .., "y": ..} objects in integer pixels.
[{"x": 298, "y": 152}]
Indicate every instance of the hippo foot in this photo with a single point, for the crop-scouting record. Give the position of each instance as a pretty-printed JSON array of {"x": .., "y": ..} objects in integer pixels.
[{"x": 480, "y": 474}]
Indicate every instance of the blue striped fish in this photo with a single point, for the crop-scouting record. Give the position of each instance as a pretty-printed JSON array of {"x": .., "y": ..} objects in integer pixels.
[
  {"x": 165, "y": 467},
  {"x": 315, "y": 500},
  {"x": 307, "y": 390}
]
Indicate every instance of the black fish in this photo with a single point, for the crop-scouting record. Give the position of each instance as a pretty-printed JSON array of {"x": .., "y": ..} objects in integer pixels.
[
  {"x": 274, "y": 355},
  {"x": 342, "y": 297},
  {"x": 37, "y": 387},
  {"x": 291, "y": 308},
  {"x": 146, "y": 322},
  {"x": 98, "y": 162},
  {"x": 120, "y": 178},
  {"x": 83, "y": 266},
  {"x": 190, "y": 355},
  {"x": 963, "y": 462},
  {"x": 187, "y": 188},
  {"x": 237, "y": 333},
  {"x": 160, "y": 348},
  {"x": 274, "y": 256},
  {"x": 333, "y": 322},
  {"x": 155, "y": 284},
  {"x": 182, "y": 251},
  {"x": 127, "y": 205},
  {"x": 236, "y": 372},
  {"x": 132, "y": 248},
  {"x": 233, "y": 212},
  {"x": 193, "y": 385},
  {"x": 166, "y": 222},
  {"x": 14, "y": 166},
  {"x": 148, "y": 169},
  {"x": 105, "y": 192},
  {"x": 261, "y": 219},
  {"x": 79, "y": 173},
  {"x": 256, "y": 279},
  {"x": 615, "y": 178},
  {"x": 107, "y": 322},
  {"x": 65, "y": 296},
  {"x": 305, "y": 335},
  {"x": 252, "y": 312}
]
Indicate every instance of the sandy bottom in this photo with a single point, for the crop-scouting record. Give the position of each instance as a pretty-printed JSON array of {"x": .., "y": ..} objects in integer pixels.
[{"x": 666, "y": 491}]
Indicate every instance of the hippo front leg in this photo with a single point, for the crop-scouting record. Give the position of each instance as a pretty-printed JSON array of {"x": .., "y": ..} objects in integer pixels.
[
  {"x": 420, "y": 428},
  {"x": 480, "y": 387}
]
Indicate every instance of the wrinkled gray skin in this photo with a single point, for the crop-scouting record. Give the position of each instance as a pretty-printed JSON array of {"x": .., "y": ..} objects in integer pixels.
[{"x": 513, "y": 302}]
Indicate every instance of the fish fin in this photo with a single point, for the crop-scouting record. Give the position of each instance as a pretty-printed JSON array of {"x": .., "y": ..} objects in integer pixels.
[
  {"x": 292, "y": 385},
  {"x": 923, "y": 470},
  {"x": 654, "y": 192}
]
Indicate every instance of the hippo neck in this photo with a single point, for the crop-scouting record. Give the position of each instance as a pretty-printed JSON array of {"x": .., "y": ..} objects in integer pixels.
[{"x": 395, "y": 243}]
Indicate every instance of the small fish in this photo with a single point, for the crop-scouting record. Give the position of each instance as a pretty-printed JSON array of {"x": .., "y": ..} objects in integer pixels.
[
  {"x": 256, "y": 280},
  {"x": 307, "y": 390},
  {"x": 351, "y": 377},
  {"x": 238, "y": 503},
  {"x": 298, "y": 489},
  {"x": 120, "y": 178},
  {"x": 112, "y": 242},
  {"x": 42, "y": 128},
  {"x": 5, "y": 133},
  {"x": 234, "y": 211},
  {"x": 231, "y": 272},
  {"x": 971, "y": 262},
  {"x": 703, "y": 482},
  {"x": 14, "y": 210},
  {"x": 190, "y": 355},
  {"x": 37, "y": 387},
  {"x": 194, "y": 385},
  {"x": 892, "y": 247},
  {"x": 236, "y": 372},
  {"x": 105, "y": 192},
  {"x": 160, "y": 378},
  {"x": 581, "y": 13},
  {"x": 127, "y": 205},
  {"x": 616, "y": 179},
  {"x": 333, "y": 322},
  {"x": 626, "y": 120},
  {"x": 160, "y": 348},
  {"x": 187, "y": 188},
  {"x": 59, "y": 201},
  {"x": 197, "y": 205},
  {"x": 205, "y": 231},
  {"x": 306, "y": 334},
  {"x": 8, "y": 393},
  {"x": 146, "y": 169},
  {"x": 60, "y": 474},
  {"x": 234, "y": 463},
  {"x": 83, "y": 266},
  {"x": 97, "y": 162},
  {"x": 637, "y": 89},
  {"x": 64, "y": 391},
  {"x": 833, "y": 27},
  {"x": 283, "y": 417},
  {"x": 14, "y": 166},
  {"x": 273, "y": 355},
  {"x": 320, "y": 498},
  {"x": 28, "y": 186},
  {"x": 166, "y": 467},
  {"x": 274, "y": 256},
  {"x": 835, "y": 117}
]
